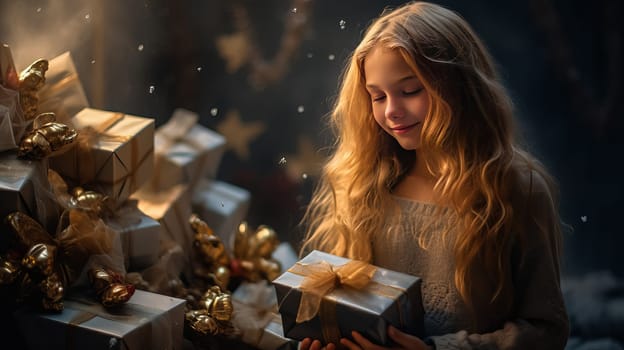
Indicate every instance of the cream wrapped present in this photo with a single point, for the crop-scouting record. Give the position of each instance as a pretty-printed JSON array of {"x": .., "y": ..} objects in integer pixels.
[
  {"x": 146, "y": 321},
  {"x": 24, "y": 187},
  {"x": 172, "y": 208},
  {"x": 185, "y": 151},
  {"x": 325, "y": 297},
  {"x": 255, "y": 315},
  {"x": 114, "y": 155},
  {"x": 139, "y": 234},
  {"x": 222, "y": 206},
  {"x": 62, "y": 92}
]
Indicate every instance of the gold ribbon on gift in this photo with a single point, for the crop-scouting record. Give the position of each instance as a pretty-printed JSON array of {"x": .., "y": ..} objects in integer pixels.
[
  {"x": 322, "y": 277},
  {"x": 86, "y": 235}
]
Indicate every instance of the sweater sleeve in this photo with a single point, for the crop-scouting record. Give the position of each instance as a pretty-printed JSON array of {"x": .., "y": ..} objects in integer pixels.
[{"x": 541, "y": 319}]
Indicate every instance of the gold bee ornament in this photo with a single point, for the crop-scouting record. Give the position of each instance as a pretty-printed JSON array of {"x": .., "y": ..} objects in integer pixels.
[
  {"x": 213, "y": 262},
  {"x": 218, "y": 303},
  {"x": 110, "y": 287},
  {"x": 47, "y": 138},
  {"x": 31, "y": 80}
]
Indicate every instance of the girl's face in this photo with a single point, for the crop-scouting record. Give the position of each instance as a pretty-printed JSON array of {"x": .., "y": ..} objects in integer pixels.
[{"x": 399, "y": 101}]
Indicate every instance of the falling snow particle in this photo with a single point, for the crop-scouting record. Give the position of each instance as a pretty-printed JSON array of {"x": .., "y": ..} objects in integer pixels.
[
  {"x": 92, "y": 61},
  {"x": 87, "y": 16},
  {"x": 310, "y": 55},
  {"x": 304, "y": 176},
  {"x": 199, "y": 69},
  {"x": 38, "y": 9},
  {"x": 282, "y": 161},
  {"x": 584, "y": 218},
  {"x": 140, "y": 47},
  {"x": 214, "y": 111},
  {"x": 294, "y": 10},
  {"x": 151, "y": 89},
  {"x": 112, "y": 342},
  {"x": 300, "y": 109},
  {"x": 342, "y": 23},
  {"x": 331, "y": 57}
]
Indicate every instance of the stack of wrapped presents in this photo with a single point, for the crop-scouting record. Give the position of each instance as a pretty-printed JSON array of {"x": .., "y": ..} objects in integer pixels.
[{"x": 117, "y": 234}]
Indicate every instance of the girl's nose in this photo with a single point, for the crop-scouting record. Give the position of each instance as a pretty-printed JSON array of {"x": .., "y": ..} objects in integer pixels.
[{"x": 394, "y": 108}]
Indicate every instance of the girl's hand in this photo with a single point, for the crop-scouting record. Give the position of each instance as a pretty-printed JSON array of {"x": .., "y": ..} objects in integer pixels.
[
  {"x": 308, "y": 344},
  {"x": 404, "y": 341}
]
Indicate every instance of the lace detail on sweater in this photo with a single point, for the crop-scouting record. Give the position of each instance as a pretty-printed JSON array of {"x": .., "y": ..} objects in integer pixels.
[{"x": 398, "y": 249}]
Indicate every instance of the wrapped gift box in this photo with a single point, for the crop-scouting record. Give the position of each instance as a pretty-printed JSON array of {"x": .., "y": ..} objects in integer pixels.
[
  {"x": 146, "y": 321},
  {"x": 62, "y": 92},
  {"x": 222, "y": 206},
  {"x": 255, "y": 315},
  {"x": 172, "y": 209},
  {"x": 389, "y": 298},
  {"x": 24, "y": 187},
  {"x": 185, "y": 151},
  {"x": 139, "y": 234},
  {"x": 117, "y": 161}
]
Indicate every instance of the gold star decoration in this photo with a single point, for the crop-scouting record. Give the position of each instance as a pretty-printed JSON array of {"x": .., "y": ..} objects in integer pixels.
[
  {"x": 239, "y": 134},
  {"x": 306, "y": 162},
  {"x": 234, "y": 49}
]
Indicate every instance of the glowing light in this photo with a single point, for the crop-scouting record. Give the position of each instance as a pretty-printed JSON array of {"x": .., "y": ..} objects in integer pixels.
[{"x": 214, "y": 111}]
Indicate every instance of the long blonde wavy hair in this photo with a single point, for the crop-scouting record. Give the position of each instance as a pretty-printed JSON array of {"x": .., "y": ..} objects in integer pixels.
[{"x": 468, "y": 136}]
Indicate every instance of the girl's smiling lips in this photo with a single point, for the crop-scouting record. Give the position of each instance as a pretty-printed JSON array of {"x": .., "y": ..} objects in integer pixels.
[{"x": 401, "y": 129}]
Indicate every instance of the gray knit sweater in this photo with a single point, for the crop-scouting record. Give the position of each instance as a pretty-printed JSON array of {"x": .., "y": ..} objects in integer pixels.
[{"x": 537, "y": 320}]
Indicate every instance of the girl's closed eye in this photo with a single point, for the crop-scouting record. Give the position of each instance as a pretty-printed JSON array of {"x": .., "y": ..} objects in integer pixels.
[
  {"x": 412, "y": 91},
  {"x": 378, "y": 98}
]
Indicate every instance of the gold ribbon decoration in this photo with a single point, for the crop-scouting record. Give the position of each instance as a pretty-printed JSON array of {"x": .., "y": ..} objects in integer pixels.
[{"x": 322, "y": 277}]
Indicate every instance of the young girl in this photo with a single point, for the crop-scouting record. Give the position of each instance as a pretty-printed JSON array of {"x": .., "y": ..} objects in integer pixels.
[{"x": 426, "y": 179}]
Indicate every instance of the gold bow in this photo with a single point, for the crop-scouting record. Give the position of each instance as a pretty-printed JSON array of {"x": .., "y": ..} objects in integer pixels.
[{"x": 322, "y": 277}]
